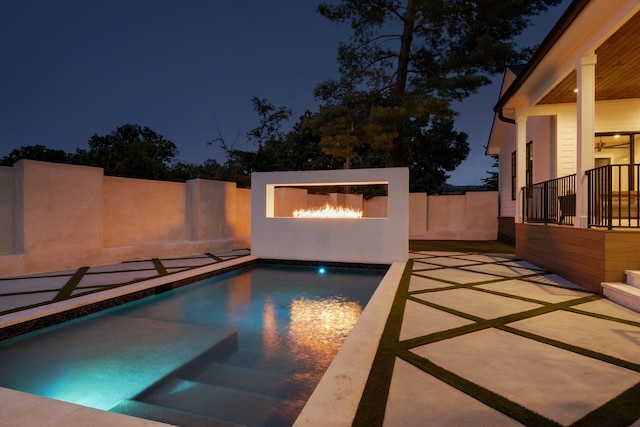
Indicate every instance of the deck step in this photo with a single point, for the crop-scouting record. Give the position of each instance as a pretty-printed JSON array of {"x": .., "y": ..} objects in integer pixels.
[
  {"x": 623, "y": 294},
  {"x": 633, "y": 278},
  {"x": 162, "y": 414},
  {"x": 222, "y": 403}
]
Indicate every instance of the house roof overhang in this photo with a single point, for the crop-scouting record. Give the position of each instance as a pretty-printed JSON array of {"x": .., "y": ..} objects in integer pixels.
[{"x": 608, "y": 29}]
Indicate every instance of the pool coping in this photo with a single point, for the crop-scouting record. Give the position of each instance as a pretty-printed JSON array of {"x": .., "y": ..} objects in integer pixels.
[{"x": 340, "y": 387}]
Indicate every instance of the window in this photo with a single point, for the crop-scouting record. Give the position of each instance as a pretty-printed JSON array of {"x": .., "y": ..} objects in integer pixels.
[
  {"x": 618, "y": 149},
  {"x": 529, "y": 165},
  {"x": 513, "y": 175},
  {"x": 528, "y": 171}
]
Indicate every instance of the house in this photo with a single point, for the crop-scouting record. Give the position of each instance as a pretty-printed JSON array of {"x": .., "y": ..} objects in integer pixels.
[{"x": 567, "y": 135}]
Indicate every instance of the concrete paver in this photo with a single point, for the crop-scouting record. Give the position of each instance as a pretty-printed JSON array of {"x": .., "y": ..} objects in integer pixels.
[
  {"x": 483, "y": 340},
  {"x": 422, "y": 400},
  {"x": 559, "y": 384}
]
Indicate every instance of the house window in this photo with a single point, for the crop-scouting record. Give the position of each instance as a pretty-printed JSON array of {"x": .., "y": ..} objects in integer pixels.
[
  {"x": 618, "y": 149},
  {"x": 529, "y": 165},
  {"x": 513, "y": 175}
]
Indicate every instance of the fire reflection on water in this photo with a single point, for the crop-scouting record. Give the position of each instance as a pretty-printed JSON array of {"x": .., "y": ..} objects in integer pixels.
[{"x": 317, "y": 329}]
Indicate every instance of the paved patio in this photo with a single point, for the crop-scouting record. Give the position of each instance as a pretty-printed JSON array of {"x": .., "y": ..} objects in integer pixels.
[{"x": 472, "y": 340}]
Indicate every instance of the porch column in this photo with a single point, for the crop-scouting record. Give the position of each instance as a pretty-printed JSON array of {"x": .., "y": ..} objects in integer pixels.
[
  {"x": 521, "y": 163},
  {"x": 586, "y": 131}
]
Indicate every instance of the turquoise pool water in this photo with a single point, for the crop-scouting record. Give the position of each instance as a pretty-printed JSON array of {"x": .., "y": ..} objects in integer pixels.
[{"x": 247, "y": 347}]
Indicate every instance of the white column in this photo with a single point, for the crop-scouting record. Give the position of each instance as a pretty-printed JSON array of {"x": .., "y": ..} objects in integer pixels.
[
  {"x": 586, "y": 132},
  {"x": 521, "y": 163}
]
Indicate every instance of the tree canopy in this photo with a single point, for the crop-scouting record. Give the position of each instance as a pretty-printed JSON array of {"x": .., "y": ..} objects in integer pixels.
[
  {"x": 36, "y": 152},
  {"x": 404, "y": 64},
  {"x": 131, "y": 151}
]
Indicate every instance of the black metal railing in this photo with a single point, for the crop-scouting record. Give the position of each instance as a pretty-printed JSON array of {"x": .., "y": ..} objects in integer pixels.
[
  {"x": 550, "y": 202},
  {"x": 613, "y": 196}
]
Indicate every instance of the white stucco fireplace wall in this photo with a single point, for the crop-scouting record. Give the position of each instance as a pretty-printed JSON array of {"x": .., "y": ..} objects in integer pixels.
[{"x": 364, "y": 240}]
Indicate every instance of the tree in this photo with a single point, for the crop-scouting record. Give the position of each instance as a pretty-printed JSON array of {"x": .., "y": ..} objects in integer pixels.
[
  {"x": 437, "y": 148},
  {"x": 182, "y": 172},
  {"x": 445, "y": 48},
  {"x": 491, "y": 182},
  {"x": 408, "y": 59},
  {"x": 270, "y": 121},
  {"x": 35, "y": 152},
  {"x": 130, "y": 151}
]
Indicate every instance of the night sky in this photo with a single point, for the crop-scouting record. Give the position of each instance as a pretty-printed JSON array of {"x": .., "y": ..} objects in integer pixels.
[{"x": 186, "y": 69}]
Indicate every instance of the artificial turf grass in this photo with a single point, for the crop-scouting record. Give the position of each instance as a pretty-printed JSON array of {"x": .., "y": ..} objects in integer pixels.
[
  {"x": 622, "y": 410},
  {"x": 483, "y": 246},
  {"x": 71, "y": 284},
  {"x": 159, "y": 267},
  {"x": 374, "y": 397}
]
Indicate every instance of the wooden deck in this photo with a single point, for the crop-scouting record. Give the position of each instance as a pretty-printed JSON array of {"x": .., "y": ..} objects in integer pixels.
[{"x": 584, "y": 256}]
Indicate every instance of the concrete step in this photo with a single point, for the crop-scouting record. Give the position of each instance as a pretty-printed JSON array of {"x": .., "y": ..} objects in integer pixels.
[
  {"x": 279, "y": 364},
  {"x": 162, "y": 414},
  {"x": 270, "y": 383},
  {"x": 633, "y": 278},
  {"x": 623, "y": 294},
  {"x": 221, "y": 403}
]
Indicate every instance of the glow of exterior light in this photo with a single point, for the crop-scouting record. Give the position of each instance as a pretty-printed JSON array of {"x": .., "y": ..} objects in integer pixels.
[
  {"x": 321, "y": 270},
  {"x": 328, "y": 211}
]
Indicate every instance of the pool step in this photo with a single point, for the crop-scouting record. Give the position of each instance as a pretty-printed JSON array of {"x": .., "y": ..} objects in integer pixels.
[
  {"x": 280, "y": 364},
  {"x": 162, "y": 414},
  {"x": 250, "y": 380},
  {"x": 221, "y": 403}
]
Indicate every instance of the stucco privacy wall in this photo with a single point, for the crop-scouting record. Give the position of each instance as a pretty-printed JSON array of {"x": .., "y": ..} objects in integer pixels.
[
  {"x": 59, "y": 215},
  {"x": 68, "y": 216},
  {"x": 375, "y": 240},
  {"x": 159, "y": 207},
  {"x": 7, "y": 210},
  {"x": 472, "y": 216}
]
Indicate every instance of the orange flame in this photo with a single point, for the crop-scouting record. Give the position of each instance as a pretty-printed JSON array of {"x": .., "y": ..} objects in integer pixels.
[{"x": 328, "y": 211}]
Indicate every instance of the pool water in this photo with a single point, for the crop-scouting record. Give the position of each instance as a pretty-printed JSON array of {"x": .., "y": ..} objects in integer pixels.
[{"x": 244, "y": 348}]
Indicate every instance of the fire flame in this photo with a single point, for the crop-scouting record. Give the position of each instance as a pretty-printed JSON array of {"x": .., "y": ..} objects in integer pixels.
[{"x": 328, "y": 211}]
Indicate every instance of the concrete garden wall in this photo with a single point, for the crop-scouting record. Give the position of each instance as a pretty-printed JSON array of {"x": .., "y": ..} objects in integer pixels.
[
  {"x": 472, "y": 216},
  {"x": 56, "y": 216}
]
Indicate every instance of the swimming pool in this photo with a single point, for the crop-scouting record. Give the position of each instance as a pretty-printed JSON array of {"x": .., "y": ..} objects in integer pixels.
[{"x": 247, "y": 347}]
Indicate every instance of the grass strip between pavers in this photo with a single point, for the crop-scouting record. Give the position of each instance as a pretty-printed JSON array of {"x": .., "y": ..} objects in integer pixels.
[
  {"x": 159, "y": 267},
  {"x": 572, "y": 348},
  {"x": 373, "y": 403},
  {"x": 489, "y": 398},
  {"x": 71, "y": 284},
  {"x": 621, "y": 411},
  {"x": 481, "y": 246},
  {"x": 217, "y": 258}
]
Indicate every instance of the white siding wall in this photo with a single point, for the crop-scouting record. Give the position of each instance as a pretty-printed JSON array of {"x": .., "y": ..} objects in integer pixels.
[
  {"x": 611, "y": 116},
  {"x": 539, "y": 130},
  {"x": 618, "y": 116},
  {"x": 567, "y": 134},
  {"x": 507, "y": 206}
]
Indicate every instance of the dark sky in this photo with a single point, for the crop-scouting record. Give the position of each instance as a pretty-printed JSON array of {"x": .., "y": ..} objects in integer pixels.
[{"x": 186, "y": 69}]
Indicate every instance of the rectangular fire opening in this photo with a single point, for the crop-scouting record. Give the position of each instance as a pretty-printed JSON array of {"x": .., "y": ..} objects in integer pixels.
[{"x": 349, "y": 201}]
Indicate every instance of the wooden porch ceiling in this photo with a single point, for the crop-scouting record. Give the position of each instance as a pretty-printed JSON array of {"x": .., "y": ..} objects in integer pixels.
[{"x": 617, "y": 75}]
